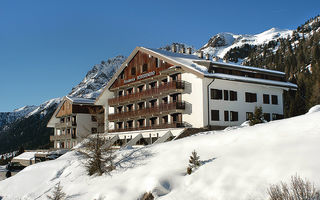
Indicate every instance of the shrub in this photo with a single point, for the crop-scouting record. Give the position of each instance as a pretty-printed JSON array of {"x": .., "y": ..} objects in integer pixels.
[{"x": 298, "y": 189}]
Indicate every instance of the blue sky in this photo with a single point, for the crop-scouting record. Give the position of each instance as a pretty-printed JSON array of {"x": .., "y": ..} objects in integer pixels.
[{"x": 47, "y": 47}]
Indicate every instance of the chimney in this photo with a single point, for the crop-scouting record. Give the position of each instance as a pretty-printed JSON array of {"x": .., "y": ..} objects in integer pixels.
[
  {"x": 200, "y": 54},
  {"x": 189, "y": 50},
  {"x": 173, "y": 48},
  {"x": 215, "y": 58},
  {"x": 207, "y": 56},
  {"x": 183, "y": 50}
]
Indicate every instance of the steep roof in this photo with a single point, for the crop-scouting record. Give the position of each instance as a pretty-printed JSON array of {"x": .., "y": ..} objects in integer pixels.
[
  {"x": 74, "y": 100},
  {"x": 78, "y": 100}
]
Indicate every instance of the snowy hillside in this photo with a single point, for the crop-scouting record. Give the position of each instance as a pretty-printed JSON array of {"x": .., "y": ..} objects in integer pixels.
[
  {"x": 221, "y": 43},
  {"x": 237, "y": 164},
  {"x": 97, "y": 78}
]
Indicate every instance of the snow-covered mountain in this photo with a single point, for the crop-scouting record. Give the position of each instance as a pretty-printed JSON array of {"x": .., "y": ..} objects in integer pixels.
[
  {"x": 221, "y": 43},
  {"x": 237, "y": 164},
  {"x": 9, "y": 117},
  {"x": 97, "y": 78}
]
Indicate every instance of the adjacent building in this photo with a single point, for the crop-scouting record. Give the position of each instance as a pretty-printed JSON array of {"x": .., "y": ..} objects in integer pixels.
[
  {"x": 157, "y": 95},
  {"x": 75, "y": 119}
]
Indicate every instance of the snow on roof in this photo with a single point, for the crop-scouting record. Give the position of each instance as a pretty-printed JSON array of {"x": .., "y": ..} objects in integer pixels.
[
  {"x": 186, "y": 60},
  {"x": 252, "y": 80},
  {"x": 248, "y": 68},
  {"x": 27, "y": 155},
  {"x": 189, "y": 61},
  {"x": 80, "y": 100}
]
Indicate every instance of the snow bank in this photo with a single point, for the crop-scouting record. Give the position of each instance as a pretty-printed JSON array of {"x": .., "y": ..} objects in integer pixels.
[
  {"x": 314, "y": 109},
  {"x": 238, "y": 164}
]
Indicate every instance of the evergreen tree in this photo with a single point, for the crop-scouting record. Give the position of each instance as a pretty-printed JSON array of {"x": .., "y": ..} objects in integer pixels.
[
  {"x": 257, "y": 116},
  {"x": 58, "y": 193},
  {"x": 194, "y": 162}
]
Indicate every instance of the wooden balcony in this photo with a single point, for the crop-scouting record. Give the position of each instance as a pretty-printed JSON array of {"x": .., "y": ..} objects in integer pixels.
[
  {"x": 163, "y": 88},
  {"x": 156, "y": 126},
  {"x": 62, "y": 137},
  {"x": 162, "y": 108},
  {"x": 65, "y": 124}
]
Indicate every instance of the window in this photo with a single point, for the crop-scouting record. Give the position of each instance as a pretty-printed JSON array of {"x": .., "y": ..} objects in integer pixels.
[
  {"x": 157, "y": 62},
  {"x": 133, "y": 71},
  {"x": 266, "y": 99},
  {"x": 226, "y": 115},
  {"x": 233, "y": 96},
  {"x": 140, "y": 88},
  {"x": 216, "y": 94},
  {"x": 94, "y": 130},
  {"x": 274, "y": 99},
  {"x": 274, "y": 116},
  {"x": 145, "y": 68},
  {"x": 214, "y": 115},
  {"x": 122, "y": 75},
  {"x": 249, "y": 115},
  {"x": 226, "y": 95},
  {"x": 93, "y": 118},
  {"x": 234, "y": 116},
  {"x": 251, "y": 97},
  {"x": 120, "y": 93},
  {"x": 266, "y": 116}
]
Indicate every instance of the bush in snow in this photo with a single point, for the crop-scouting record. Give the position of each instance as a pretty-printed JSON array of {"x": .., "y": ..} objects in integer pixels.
[
  {"x": 100, "y": 155},
  {"x": 257, "y": 116},
  {"x": 147, "y": 196},
  {"x": 57, "y": 194},
  {"x": 298, "y": 189},
  {"x": 194, "y": 162}
]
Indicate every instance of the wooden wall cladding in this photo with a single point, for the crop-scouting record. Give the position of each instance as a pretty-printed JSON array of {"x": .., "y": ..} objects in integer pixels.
[
  {"x": 66, "y": 109},
  {"x": 137, "y": 62}
]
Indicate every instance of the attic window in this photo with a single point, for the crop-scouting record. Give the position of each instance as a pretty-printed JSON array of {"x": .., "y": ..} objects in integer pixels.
[
  {"x": 145, "y": 68},
  {"x": 121, "y": 75},
  {"x": 133, "y": 71}
]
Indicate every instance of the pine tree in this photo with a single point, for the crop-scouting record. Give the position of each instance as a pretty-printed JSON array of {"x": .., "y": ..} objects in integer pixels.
[
  {"x": 58, "y": 193},
  {"x": 257, "y": 116},
  {"x": 194, "y": 162}
]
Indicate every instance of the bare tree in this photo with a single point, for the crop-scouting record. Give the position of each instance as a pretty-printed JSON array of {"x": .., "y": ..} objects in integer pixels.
[
  {"x": 58, "y": 194},
  {"x": 99, "y": 154},
  {"x": 298, "y": 189}
]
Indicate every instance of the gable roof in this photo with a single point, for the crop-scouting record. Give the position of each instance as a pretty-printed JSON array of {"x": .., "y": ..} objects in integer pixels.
[
  {"x": 190, "y": 63},
  {"x": 73, "y": 100}
]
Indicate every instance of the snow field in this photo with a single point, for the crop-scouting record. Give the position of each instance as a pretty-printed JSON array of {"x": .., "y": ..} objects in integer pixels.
[{"x": 238, "y": 164}]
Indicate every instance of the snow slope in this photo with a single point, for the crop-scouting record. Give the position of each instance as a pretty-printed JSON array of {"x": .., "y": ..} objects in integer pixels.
[
  {"x": 221, "y": 43},
  {"x": 237, "y": 164}
]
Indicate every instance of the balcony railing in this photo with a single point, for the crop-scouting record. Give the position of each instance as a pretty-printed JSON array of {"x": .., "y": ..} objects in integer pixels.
[
  {"x": 165, "y": 87},
  {"x": 166, "y": 107},
  {"x": 62, "y": 137},
  {"x": 65, "y": 124},
  {"x": 156, "y": 126}
]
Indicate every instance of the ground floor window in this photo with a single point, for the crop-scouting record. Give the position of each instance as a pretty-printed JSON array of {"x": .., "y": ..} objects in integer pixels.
[
  {"x": 215, "y": 115},
  {"x": 234, "y": 116}
]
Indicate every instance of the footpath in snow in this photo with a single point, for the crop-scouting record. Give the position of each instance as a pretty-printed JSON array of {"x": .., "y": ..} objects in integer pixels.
[{"x": 238, "y": 164}]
